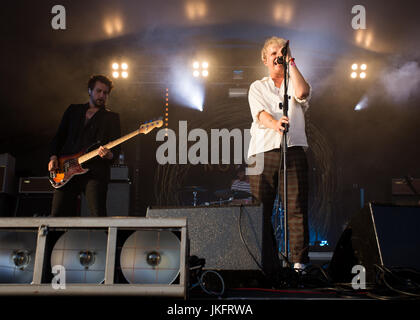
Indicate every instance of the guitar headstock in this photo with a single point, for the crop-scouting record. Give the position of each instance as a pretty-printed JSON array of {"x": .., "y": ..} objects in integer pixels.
[{"x": 150, "y": 125}]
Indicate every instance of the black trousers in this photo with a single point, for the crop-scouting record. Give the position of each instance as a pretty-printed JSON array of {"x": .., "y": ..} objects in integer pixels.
[{"x": 66, "y": 199}]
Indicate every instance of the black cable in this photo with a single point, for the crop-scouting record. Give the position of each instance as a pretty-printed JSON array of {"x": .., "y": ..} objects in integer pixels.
[
  {"x": 244, "y": 242},
  {"x": 386, "y": 271},
  {"x": 208, "y": 291}
]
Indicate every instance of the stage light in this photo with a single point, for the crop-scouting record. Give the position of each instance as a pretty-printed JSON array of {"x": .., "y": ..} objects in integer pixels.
[
  {"x": 83, "y": 254},
  {"x": 283, "y": 13},
  {"x": 195, "y": 9},
  {"x": 188, "y": 85},
  {"x": 363, "y": 103},
  {"x": 17, "y": 256},
  {"x": 120, "y": 69},
  {"x": 355, "y": 74},
  {"x": 151, "y": 257},
  {"x": 200, "y": 68}
]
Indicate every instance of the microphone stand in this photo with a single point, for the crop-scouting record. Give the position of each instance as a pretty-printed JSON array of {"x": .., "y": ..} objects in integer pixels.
[{"x": 285, "y": 107}]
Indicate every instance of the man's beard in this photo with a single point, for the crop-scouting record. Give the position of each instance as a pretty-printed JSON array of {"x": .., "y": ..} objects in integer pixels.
[{"x": 99, "y": 103}]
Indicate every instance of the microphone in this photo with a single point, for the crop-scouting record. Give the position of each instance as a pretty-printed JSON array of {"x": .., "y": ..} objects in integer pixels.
[{"x": 282, "y": 58}]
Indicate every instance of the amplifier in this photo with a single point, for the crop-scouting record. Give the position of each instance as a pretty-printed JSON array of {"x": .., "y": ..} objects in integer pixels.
[
  {"x": 35, "y": 185},
  {"x": 119, "y": 172}
]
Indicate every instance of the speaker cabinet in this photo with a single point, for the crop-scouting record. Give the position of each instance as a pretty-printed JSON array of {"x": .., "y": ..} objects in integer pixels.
[
  {"x": 215, "y": 234},
  {"x": 33, "y": 205},
  {"x": 93, "y": 256},
  {"x": 381, "y": 234}
]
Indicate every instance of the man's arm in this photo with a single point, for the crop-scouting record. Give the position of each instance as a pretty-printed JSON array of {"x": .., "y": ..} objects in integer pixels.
[
  {"x": 300, "y": 85},
  {"x": 268, "y": 121}
]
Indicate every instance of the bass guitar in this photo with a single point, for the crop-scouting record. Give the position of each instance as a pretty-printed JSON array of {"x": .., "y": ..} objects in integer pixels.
[{"x": 71, "y": 165}]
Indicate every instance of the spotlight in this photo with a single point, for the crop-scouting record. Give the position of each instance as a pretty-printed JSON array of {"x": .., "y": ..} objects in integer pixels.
[
  {"x": 355, "y": 74},
  {"x": 363, "y": 103},
  {"x": 17, "y": 256},
  {"x": 82, "y": 253},
  {"x": 200, "y": 68},
  {"x": 151, "y": 257},
  {"x": 120, "y": 69}
]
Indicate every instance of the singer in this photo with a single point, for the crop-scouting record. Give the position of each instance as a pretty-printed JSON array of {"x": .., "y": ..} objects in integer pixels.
[{"x": 267, "y": 129}]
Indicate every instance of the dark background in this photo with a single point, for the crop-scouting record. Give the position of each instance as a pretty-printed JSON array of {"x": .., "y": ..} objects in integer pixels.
[{"x": 44, "y": 70}]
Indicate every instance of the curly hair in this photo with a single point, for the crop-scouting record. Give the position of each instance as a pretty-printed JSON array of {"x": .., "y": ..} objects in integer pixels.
[{"x": 276, "y": 40}]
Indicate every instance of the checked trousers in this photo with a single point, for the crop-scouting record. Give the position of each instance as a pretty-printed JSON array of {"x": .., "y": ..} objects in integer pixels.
[{"x": 264, "y": 189}]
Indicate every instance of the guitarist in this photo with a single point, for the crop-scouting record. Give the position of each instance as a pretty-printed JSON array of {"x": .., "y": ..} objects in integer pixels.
[{"x": 83, "y": 126}]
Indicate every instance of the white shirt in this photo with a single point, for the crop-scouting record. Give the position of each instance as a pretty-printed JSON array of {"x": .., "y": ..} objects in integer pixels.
[{"x": 265, "y": 96}]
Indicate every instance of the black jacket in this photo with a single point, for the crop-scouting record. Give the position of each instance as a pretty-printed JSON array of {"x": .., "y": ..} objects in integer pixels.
[{"x": 74, "y": 136}]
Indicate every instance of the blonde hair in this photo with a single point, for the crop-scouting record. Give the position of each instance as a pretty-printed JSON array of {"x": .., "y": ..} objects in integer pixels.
[{"x": 273, "y": 40}]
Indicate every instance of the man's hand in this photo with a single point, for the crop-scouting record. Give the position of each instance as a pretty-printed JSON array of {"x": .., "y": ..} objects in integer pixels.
[
  {"x": 278, "y": 125},
  {"x": 267, "y": 120},
  {"x": 105, "y": 153},
  {"x": 53, "y": 164}
]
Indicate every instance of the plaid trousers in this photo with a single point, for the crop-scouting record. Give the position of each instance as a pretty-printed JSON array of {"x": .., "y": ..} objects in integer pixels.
[{"x": 264, "y": 189}]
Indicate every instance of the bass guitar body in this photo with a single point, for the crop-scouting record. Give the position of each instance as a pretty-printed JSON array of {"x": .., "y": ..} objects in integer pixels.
[{"x": 68, "y": 167}]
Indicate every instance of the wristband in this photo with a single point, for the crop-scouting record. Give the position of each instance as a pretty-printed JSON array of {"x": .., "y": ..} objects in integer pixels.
[{"x": 292, "y": 62}]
